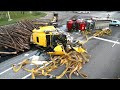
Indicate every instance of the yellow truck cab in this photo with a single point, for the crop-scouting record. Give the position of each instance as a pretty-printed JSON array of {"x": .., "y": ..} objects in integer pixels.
[
  {"x": 48, "y": 38},
  {"x": 40, "y": 36}
]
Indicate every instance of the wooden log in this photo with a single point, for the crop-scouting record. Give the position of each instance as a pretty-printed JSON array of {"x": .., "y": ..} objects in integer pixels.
[
  {"x": 8, "y": 52},
  {"x": 10, "y": 46},
  {"x": 17, "y": 36}
]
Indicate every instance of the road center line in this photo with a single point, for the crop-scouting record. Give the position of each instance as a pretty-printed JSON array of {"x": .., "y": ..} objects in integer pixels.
[{"x": 114, "y": 44}]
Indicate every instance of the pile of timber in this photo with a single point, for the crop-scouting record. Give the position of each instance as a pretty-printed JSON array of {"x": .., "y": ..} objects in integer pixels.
[
  {"x": 17, "y": 36},
  {"x": 41, "y": 22}
]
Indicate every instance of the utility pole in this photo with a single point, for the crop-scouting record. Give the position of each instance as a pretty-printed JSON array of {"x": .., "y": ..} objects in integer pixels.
[{"x": 9, "y": 16}]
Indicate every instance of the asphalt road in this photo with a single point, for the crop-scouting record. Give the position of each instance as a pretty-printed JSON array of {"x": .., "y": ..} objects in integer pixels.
[
  {"x": 104, "y": 62},
  {"x": 6, "y": 71}
]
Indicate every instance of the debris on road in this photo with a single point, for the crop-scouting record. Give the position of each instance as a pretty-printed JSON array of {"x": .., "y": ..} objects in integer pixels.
[
  {"x": 102, "y": 32},
  {"x": 73, "y": 60}
]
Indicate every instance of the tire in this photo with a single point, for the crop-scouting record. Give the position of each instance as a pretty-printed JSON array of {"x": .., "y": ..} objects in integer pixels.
[{"x": 117, "y": 25}]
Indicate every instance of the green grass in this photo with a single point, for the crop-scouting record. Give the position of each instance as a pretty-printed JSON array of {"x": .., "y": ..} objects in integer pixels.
[{"x": 17, "y": 16}]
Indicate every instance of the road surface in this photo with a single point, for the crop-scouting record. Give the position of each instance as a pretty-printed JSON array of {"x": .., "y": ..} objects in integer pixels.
[{"x": 104, "y": 62}]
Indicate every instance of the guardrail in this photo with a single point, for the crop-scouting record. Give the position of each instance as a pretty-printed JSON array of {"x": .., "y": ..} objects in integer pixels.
[
  {"x": 101, "y": 25},
  {"x": 107, "y": 19}
]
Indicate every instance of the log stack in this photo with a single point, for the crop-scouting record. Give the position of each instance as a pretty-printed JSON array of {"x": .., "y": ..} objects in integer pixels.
[{"x": 17, "y": 36}]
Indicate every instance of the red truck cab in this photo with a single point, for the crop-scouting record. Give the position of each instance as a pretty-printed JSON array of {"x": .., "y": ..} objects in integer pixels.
[
  {"x": 76, "y": 25},
  {"x": 81, "y": 24}
]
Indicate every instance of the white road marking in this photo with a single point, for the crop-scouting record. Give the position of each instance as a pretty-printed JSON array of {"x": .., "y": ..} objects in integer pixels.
[
  {"x": 26, "y": 76},
  {"x": 30, "y": 73},
  {"x": 6, "y": 70},
  {"x": 114, "y": 44}
]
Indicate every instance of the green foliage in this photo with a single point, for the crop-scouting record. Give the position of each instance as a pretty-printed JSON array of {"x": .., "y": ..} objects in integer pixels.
[{"x": 19, "y": 15}]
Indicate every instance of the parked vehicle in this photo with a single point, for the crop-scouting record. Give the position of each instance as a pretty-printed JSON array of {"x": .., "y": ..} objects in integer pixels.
[{"x": 114, "y": 23}]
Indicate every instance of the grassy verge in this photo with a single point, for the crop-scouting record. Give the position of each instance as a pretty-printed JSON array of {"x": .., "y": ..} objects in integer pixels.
[{"x": 17, "y": 16}]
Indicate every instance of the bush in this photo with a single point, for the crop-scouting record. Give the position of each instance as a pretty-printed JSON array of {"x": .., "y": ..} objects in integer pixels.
[
  {"x": 36, "y": 13},
  {"x": 17, "y": 16}
]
